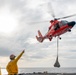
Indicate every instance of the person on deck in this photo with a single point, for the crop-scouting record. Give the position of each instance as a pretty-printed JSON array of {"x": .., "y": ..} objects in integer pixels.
[{"x": 12, "y": 67}]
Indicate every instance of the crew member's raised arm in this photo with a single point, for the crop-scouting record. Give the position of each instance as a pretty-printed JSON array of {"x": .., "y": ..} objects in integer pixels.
[{"x": 18, "y": 57}]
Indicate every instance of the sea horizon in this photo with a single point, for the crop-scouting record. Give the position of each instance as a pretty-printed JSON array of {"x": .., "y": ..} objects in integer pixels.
[{"x": 44, "y": 69}]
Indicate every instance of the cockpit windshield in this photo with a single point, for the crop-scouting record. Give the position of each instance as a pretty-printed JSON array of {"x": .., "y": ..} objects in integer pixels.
[{"x": 63, "y": 22}]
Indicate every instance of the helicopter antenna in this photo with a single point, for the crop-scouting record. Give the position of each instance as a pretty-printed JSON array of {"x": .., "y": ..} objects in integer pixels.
[{"x": 67, "y": 16}]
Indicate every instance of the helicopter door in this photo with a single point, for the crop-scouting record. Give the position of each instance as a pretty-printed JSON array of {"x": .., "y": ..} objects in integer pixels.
[{"x": 56, "y": 27}]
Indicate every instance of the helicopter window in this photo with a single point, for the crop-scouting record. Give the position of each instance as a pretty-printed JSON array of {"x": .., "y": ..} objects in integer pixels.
[{"x": 61, "y": 23}]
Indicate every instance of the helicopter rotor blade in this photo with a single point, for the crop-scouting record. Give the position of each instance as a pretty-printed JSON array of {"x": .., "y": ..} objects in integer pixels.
[
  {"x": 51, "y": 11},
  {"x": 66, "y": 16},
  {"x": 37, "y": 22},
  {"x": 53, "y": 17}
]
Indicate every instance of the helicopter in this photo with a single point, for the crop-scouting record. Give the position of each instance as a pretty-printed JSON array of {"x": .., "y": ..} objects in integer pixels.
[{"x": 57, "y": 28}]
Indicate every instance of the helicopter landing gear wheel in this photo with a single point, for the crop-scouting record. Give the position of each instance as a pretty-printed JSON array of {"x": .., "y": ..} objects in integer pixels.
[
  {"x": 59, "y": 37},
  {"x": 50, "y": 38}
]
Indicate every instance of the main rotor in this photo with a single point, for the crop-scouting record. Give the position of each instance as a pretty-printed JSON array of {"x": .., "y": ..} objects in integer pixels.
[{"x": 53, "y": 14}]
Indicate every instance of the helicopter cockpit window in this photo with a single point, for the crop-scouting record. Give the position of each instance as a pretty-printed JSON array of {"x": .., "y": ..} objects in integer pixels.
[{"x": 63, "y": 22}]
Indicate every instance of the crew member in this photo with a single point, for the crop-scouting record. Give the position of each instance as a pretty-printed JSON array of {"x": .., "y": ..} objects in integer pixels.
[{"x": 12, "y": 67}]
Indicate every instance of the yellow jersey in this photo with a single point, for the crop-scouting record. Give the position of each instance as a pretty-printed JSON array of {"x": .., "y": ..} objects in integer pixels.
[{"x": 12, "y": 67}]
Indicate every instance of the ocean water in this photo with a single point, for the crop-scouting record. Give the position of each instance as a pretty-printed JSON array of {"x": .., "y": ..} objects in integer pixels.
[{"x": 50, "y": 70}]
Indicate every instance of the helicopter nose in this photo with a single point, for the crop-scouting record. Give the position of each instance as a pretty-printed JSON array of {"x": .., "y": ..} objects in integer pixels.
[{"x": 71, "y": 23}]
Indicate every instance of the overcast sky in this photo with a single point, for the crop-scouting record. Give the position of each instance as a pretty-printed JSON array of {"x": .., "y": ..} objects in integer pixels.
[{"x": 19, "y": 23}]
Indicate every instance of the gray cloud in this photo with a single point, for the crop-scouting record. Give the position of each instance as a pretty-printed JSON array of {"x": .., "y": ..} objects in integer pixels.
[{"x": 28, "y": 12}]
